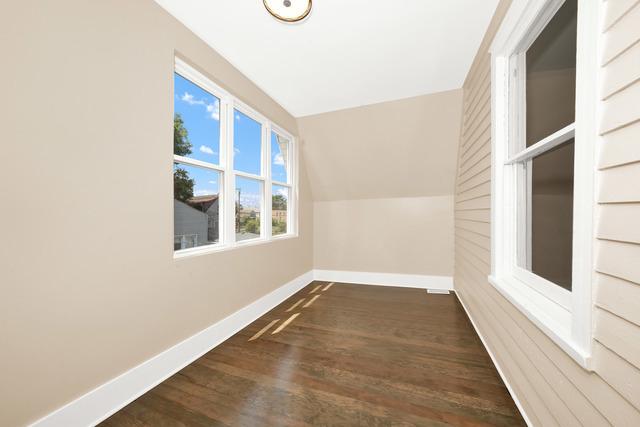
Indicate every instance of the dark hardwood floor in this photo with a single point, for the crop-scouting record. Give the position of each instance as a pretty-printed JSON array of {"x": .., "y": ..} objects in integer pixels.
[{"x": 339, "y": 355}]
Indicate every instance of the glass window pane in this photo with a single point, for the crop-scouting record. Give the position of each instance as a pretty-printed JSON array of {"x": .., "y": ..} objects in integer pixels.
[
  {"x": 247, "y": 144},
  {"x": 279, "y": 157},
  {"x": 551, "y": 76},
  {"x": 196, "y": 206},
  {"x": 196, "y": 122},
  {"x": 279, "y": 208},
  {"x": 551, "y": 222},
  {"x": 248, "y": 208}
]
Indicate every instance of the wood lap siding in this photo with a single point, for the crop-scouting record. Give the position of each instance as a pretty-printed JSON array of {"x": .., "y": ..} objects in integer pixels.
[
  {"x": 617, "y": 296},
  {"x": 551, "y": 387}
]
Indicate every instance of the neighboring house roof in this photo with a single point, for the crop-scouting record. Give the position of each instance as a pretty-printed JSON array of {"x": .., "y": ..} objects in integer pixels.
[
  {"x": 203, "y": 199},
  {"x": 203, "y": 203}
]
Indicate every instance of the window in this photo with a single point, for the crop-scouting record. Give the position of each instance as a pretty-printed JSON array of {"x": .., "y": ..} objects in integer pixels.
[
  {"x": 247, "y": 144},
  {"x": 543, "y": 110},
  {"x": 281, "y": 189},
  {"x": 542, "y": 156},
  {"x": 225, "y": 169},
  {"x": 196, "y": 171}
]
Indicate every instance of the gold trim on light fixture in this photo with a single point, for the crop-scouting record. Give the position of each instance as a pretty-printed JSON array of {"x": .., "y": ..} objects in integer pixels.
[{"x": 284, "y": 19}]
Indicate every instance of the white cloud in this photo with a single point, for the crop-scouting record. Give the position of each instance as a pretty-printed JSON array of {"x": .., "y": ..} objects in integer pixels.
[
  {"x": 204, "y": 192},
  {"x": 206, "y": 150},
  {"x": 283, "y": 192},
  {"x": 278, "y": 159},
  {"x": 189, "y": 99},
  {"x": 237, "y": 116},
  {"x": 212, "y": 182},
  {"x": 236, "y": 150},
  {"x": 212, "y": 109}
]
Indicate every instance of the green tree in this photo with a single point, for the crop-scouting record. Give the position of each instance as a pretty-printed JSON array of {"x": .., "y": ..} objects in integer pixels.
[
  {"x": 279, "y": 202},
  {"x": 182, "y": 185},
  {"x": 252, "y": 226},
  {"x": 278, "y": 227},
  {"x": 181, "y": 143}
]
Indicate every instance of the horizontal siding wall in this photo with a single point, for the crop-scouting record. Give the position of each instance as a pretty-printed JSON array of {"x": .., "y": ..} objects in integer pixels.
[
  {"x": 552, "y": 389},
  {"x": 617, "y": 301}
]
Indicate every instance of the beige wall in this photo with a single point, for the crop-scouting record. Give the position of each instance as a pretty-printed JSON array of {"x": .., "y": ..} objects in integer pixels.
[
  {"x": 404, "y": 148},
  {"x": 89, "y": 287},
  {"x": 382, "y": 178},
  {"x": 553, "y": 389},
  {"x": 410, "y": 235}
]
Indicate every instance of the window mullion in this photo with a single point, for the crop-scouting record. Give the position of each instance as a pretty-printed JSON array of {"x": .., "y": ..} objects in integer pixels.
[
  {"x": 229, "y": 179},
  {"x": 194, "y": 162},
  {"x": 267, "y": 225},
  {"x": 552, "y": 141},
  {"x": 248, "y": 175},
  {"x": 292, "y": 217}
]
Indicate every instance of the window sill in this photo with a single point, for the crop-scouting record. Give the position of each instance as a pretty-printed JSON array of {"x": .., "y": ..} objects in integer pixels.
[
  {"x": 555, "y": 324},
  {"x": 205, "y": 250}
]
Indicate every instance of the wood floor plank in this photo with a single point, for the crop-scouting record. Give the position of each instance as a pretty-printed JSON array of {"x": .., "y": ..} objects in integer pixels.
[{"x": 358, "y": 355}]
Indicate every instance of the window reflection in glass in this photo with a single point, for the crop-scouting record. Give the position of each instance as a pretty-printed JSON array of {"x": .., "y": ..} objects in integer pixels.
[{"x": 551, "y": 76}]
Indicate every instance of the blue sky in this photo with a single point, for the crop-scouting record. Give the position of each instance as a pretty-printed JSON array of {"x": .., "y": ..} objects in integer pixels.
[
  {"x": 200, "y": 112},
  {"x": 247, "y": 136}
]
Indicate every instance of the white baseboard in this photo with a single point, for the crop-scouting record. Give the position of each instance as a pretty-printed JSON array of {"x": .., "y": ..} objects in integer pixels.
[
  {"x": 102, "y": 402},
  {"x": 386, "y": 279},
  {"x": 105, "y": 400},
  {"x": 497, "y": 365}
]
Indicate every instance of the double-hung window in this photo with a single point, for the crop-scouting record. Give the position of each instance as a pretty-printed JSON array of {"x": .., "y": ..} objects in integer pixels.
[
  {"x": 544, "y": 77},
  {"x": 233, "y": 170}
]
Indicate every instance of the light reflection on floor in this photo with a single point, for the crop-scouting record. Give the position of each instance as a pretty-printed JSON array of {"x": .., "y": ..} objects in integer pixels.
[{"x": 292, "y": 317}]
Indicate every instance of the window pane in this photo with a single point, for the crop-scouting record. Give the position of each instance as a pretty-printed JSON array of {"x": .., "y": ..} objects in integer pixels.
[
  {"x": 551, "y": 242},
  {"x": 551, "y": 76},
  {"x": 196, "y": 122},
  {"x": 248, "y": 208},
  {"x": 279, "y": 208},
  {"x": 196, "y": 204},
  {"x": 247, "y": 144},
  {"x": 279, "y": 157}
]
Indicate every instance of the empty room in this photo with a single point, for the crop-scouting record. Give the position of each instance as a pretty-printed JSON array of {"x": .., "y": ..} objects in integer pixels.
[{"x": 320, "y": 213}]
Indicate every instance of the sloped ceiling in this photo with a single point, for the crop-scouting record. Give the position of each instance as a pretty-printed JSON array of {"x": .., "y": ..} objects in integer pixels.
[{"x": 347, "y": 53}]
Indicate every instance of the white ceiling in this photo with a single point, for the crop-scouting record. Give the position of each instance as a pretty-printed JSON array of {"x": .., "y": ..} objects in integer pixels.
[{"x": 347, "y": 53}]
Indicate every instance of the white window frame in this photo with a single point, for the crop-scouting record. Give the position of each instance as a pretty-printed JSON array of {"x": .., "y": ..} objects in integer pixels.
[
  {"x": 564, "y": 316},
  {"x": 227, "y": 188}
]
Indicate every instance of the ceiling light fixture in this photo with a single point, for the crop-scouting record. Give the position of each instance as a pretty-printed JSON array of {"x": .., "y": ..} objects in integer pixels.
[{"x": 288, "y": 10}]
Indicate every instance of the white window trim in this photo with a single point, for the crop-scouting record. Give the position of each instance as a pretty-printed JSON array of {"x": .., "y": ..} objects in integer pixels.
[
  {"x": 564, "y": 316},
  {"x": 228, "y": 103}
]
